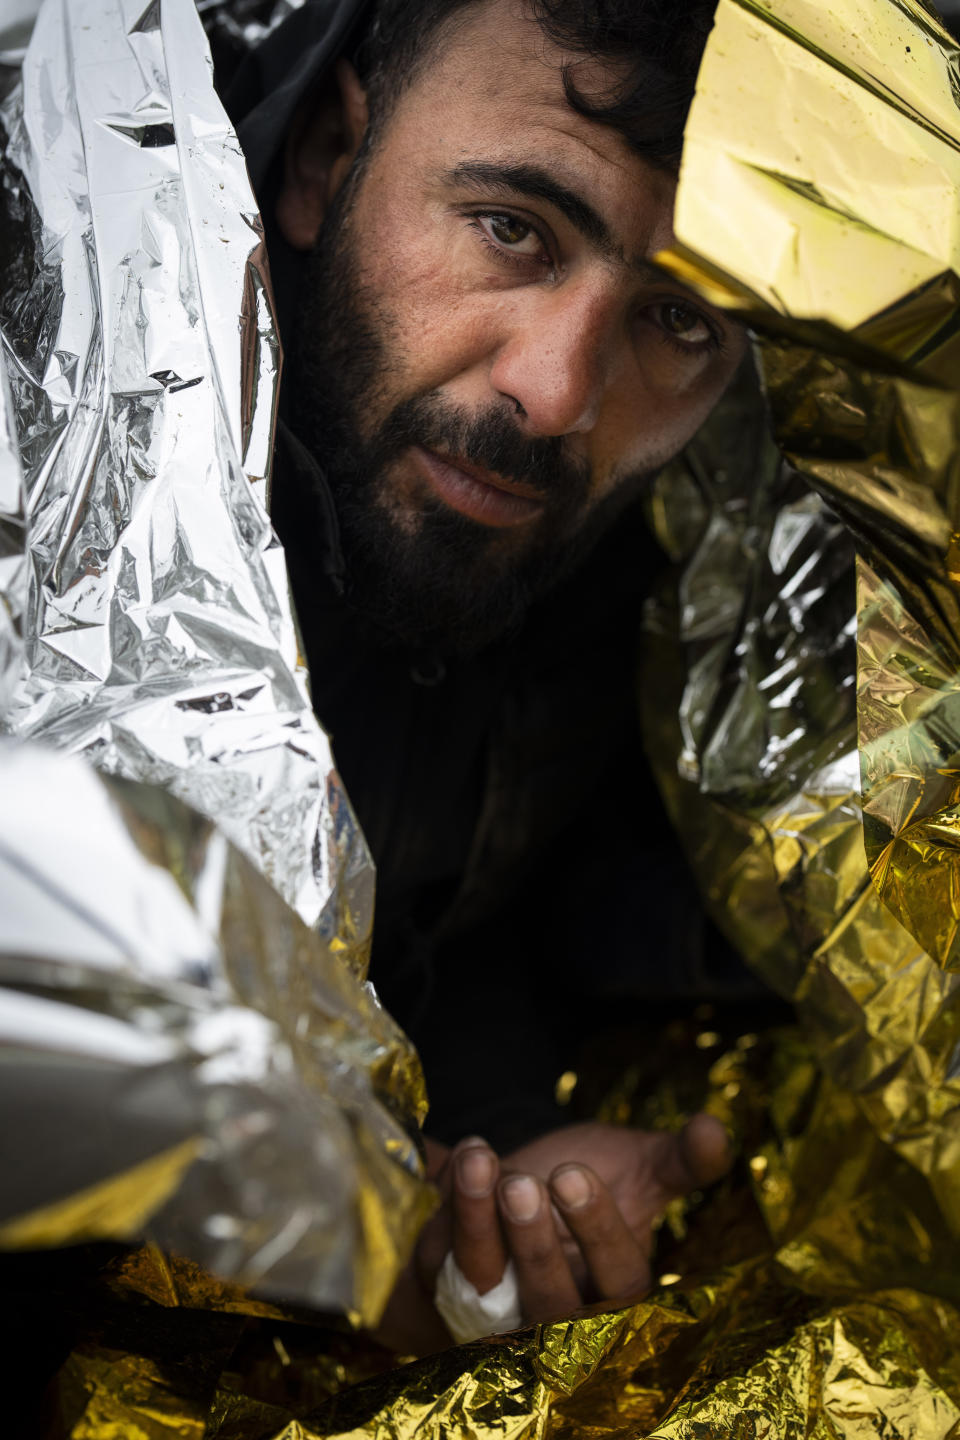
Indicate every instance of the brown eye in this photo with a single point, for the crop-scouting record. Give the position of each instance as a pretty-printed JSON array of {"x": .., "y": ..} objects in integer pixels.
[
  {"x": 684, "y": 322},
  {"x": 514, "y": 242},
  {"x": 508, "y": 231}
]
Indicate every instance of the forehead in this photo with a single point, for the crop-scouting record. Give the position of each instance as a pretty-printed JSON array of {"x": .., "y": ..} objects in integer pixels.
[
  {"x": 492, "y": 85},
  {"x": 496, "y": 50},
  {"x": 505, "y": 39}
]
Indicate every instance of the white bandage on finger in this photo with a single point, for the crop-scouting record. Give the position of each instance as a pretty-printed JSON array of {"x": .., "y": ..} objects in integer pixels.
[{"x": 469, "y": 1315}]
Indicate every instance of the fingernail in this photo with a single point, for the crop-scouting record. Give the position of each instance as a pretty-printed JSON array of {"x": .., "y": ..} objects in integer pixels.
[
  {"x": 571, "y": 1187},
  {"x": 521, "y": 1196},
  {"x": 475, "y": 1171}
]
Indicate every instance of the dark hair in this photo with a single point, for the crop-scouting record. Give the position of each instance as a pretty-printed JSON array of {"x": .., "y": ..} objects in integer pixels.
[{"x": 653, "y": 46}]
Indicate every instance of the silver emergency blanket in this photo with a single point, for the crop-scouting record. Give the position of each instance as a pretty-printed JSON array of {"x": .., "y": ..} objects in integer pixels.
[
  {"x": 13, "y": 559},
  {"x": 183, "y": 1055},
  {"x": 143, "y": 362}
]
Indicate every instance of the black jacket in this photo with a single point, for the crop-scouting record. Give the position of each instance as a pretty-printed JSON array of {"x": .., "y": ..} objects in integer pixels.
[
  {"x": 527, "y": 878},
  {"x": 526, "y": 875}
]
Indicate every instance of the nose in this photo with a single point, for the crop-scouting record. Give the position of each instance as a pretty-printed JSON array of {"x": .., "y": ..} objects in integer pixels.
[{"x": 556, "y": 357}]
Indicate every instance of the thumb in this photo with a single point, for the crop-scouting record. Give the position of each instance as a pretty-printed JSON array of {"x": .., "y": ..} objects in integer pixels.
[
  {"x": 435, "y": 1239},
  {"x": 699, "y": 1155}
]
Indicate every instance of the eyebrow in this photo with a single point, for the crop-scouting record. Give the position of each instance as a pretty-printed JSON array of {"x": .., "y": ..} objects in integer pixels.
[
  {"x": 517, "y": 178},
  {"x": 539, "y": 184}
]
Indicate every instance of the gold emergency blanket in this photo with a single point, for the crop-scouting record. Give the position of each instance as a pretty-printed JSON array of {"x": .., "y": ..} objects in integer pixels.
[
  {"x": 744, "y": 1350},
  {"x": 805, "y": 653},
  {"x": 829, "y": 192}
]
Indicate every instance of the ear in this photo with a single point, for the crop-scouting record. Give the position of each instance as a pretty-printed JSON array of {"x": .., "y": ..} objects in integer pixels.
[{"x": 321, "y": 144}]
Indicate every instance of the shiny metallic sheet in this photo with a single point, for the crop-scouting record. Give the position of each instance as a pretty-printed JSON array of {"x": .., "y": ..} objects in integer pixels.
[
  {"x": 144, "y": 364},
  {"x": 183, "y": 1053},
  {"x": 809, "y": 638},
  {"x": 743, "y": 1351},
  {"x": 13, "y": 560},
  {"x": 834, "y": 231}
]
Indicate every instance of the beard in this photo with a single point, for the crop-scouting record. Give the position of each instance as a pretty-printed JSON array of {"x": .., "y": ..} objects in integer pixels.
[{"x": 431, "y": 579}]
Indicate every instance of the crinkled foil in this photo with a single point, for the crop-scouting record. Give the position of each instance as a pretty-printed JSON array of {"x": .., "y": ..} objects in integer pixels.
[
  {"x": 822, "y": 207},
  {"x": 183, "y": 1055},
  {"x": 744, "y": 1351},
  {"x": 852, "y": 273},
  {"x": 808, "y": 632},
  {"x": 13, "y": 560},
  {"x": 141, "y": 351}
]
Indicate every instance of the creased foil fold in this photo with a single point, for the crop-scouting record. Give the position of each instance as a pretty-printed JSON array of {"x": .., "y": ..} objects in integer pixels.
[
  {"x": 188, "y": 1044},
  {"x": 798, "y": 690},
  {"x": 845, "y": 256},
  {"x": 743, "y": 1350},
  {"x": 142, "y": 355},
  {"x": 13, "y": 559},
  {"x": 840, "y": 244},
  {"x": 183, "y": 1055}
]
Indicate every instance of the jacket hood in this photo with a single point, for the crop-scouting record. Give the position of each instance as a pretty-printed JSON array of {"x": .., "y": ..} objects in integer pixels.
[{"x": 263, "y": 95}]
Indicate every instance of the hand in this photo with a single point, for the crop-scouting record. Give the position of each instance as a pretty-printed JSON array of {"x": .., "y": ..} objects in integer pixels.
[
  {"x": 410, "y": 1324},
  {"x": 574, "y": 1210},
  {"x": 640, "y": 1170}
]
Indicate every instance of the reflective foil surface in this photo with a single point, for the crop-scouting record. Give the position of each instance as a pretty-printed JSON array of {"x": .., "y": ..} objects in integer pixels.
[
  {"x": 143, "y": 362},
  {"x": 798, "y": 693},
  {"x": 184, "y": 1054},
  {"x": 850, "y": 278}
]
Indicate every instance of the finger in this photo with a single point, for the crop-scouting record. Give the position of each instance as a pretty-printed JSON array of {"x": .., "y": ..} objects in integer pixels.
[
  {"x": 437, "y": 1159},
  {"x": 436, "y": 1237},
  {"x": 707, "y": 1147},
  {"x": 699, "y": 1155},
  {"x": 478, "y": 1244},
  {"x": 615, "y": 1257},
  {"x": 547, "y": 1288},
  {"x": 433, "y": 1246}
]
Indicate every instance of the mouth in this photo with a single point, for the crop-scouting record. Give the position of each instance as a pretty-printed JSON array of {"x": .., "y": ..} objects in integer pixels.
[{"x": 480, "y": 494}]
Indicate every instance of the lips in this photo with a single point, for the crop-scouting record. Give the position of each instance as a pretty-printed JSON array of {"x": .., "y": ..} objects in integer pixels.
[{"x": 479, "y": 494}]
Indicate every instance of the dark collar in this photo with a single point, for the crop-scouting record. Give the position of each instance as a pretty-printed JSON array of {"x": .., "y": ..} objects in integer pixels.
[{"x": 303, "y": 505}]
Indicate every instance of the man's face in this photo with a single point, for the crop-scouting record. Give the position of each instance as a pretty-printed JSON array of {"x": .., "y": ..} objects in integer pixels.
[{"x": 486, "y": 363}]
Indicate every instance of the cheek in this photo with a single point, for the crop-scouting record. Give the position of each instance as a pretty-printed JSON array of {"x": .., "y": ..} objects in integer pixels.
[
  {"x": 646, "y": 424},
  {"x": 418, "y": 274},
  {"x": 679, "y": 393}
]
